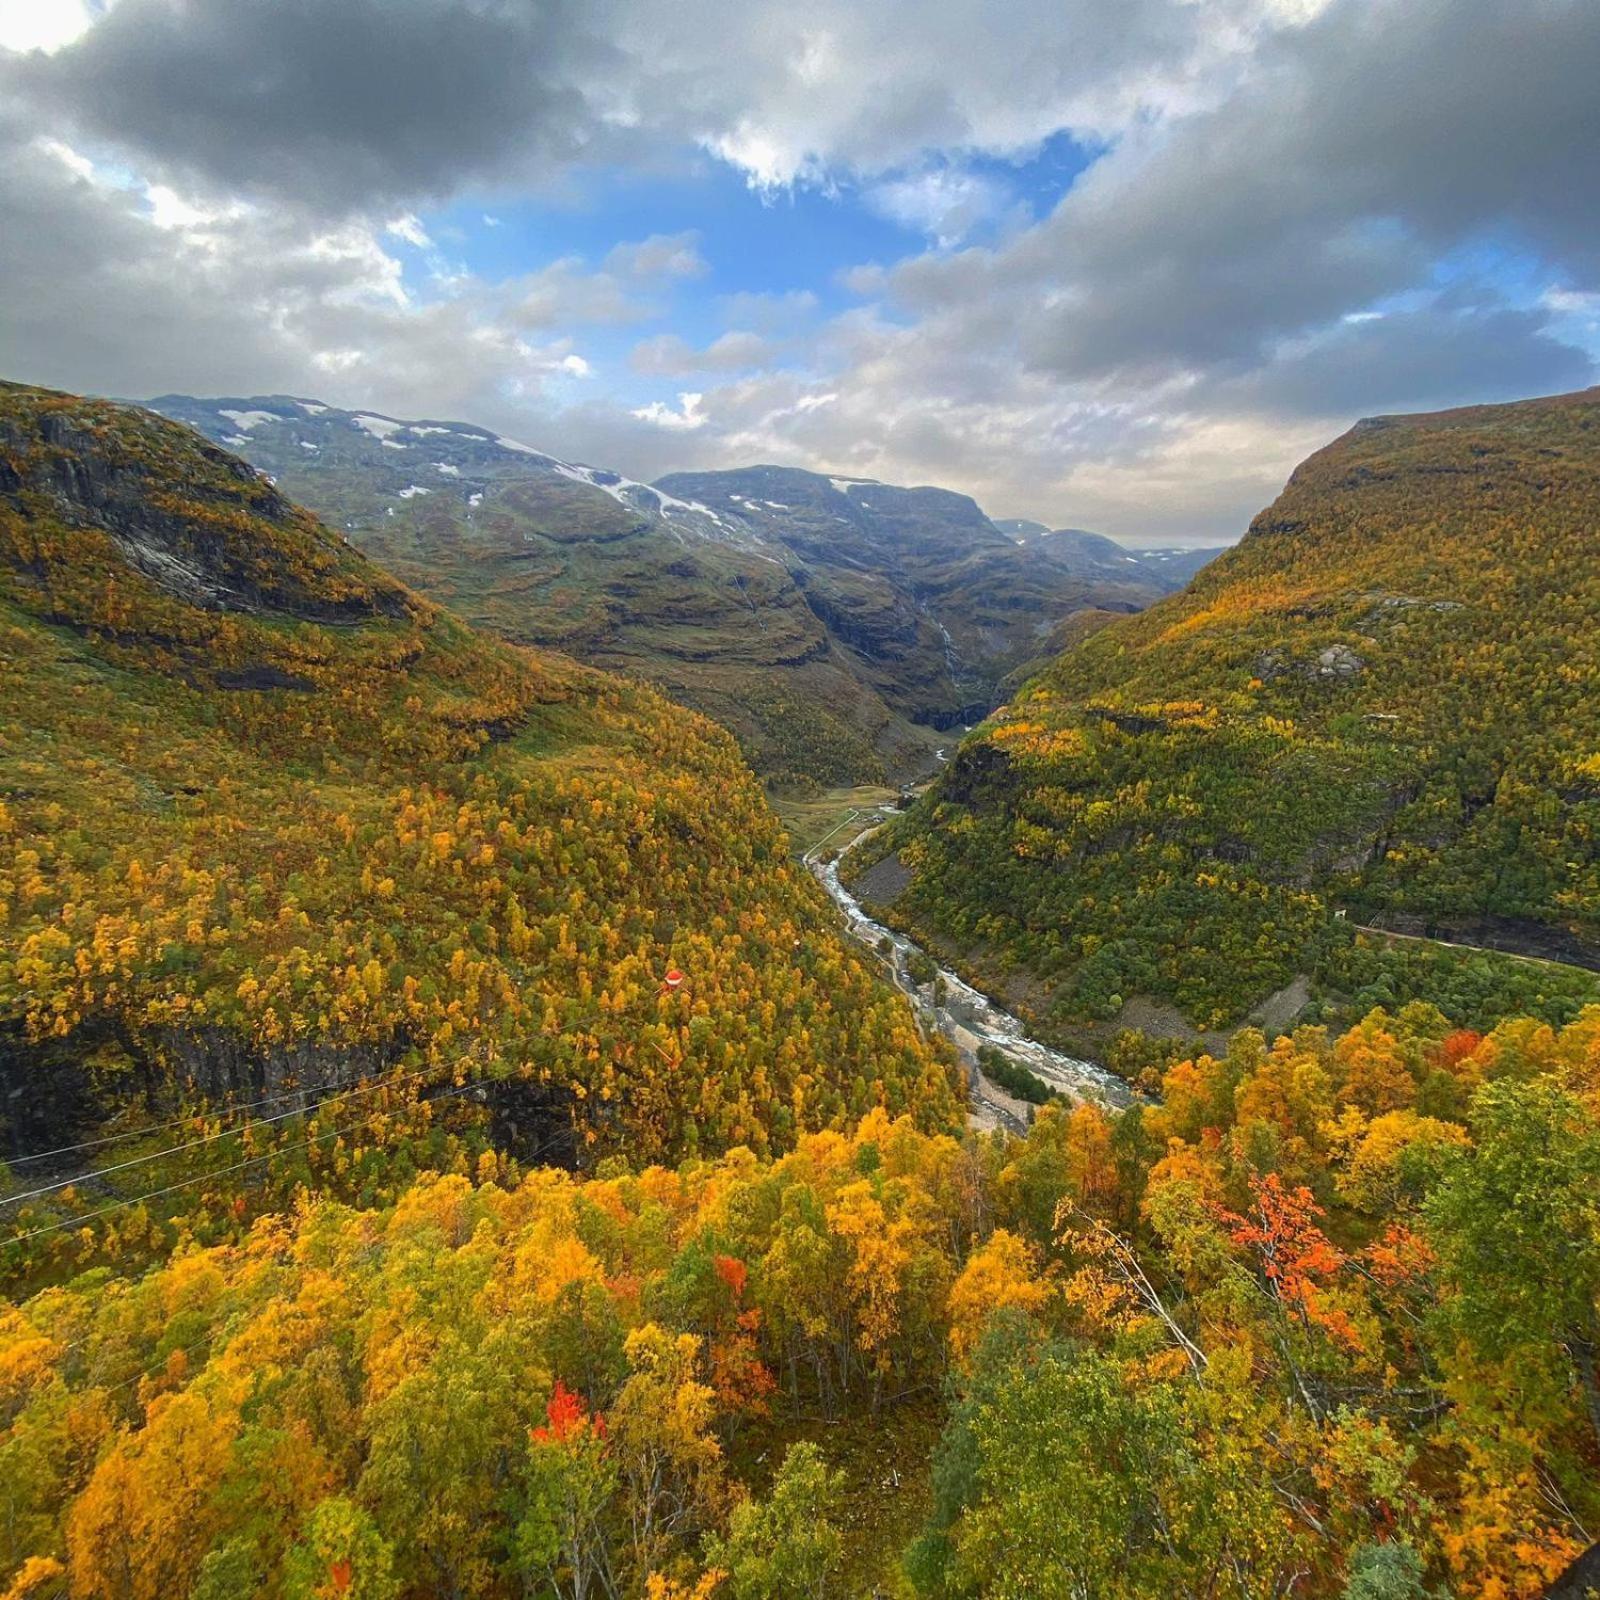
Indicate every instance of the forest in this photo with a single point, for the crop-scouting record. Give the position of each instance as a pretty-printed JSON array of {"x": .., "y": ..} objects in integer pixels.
[
  {"x": 450, "y": 1150},
  {"x": 1380, "y": 708},
  {"x": 271, "y": 821},
  {"x": 1320, "y": 1321}
]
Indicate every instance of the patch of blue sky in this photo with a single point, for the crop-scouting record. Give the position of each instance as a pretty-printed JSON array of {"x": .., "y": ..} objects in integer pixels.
[
  {"x": 799, "y": 239},
  {"x": 777, "y": 262}
]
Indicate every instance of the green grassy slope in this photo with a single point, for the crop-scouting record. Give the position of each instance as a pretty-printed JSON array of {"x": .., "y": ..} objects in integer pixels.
[
  {"x": 834, "y": 638},
  {"x": 575, "y": 559}
]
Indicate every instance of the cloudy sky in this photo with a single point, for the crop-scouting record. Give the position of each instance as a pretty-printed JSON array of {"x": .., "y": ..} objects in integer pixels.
[{"x": 1113, "y": 263}]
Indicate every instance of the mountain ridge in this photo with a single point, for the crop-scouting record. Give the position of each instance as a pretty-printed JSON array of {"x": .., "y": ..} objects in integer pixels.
[
  {"x": 838, "y": 635},
  {"x": 1381, "y": 702}
]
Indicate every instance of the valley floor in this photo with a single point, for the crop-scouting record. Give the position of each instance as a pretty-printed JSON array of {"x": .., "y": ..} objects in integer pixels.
[{"x": 814, "y": 820}]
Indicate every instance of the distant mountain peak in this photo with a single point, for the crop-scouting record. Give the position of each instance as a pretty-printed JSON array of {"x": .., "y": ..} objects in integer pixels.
[{"x": 834, "y": 622}]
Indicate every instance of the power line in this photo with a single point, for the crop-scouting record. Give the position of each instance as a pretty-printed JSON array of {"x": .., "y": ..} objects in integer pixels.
[
  {"x": 65, "y": 1347},
  {"x": 210, "y": 1138},
  {"x": 187, "y": 1183},
  {"x": 365, "y": 1253},
  {"x": 247, "y": 1105},
  {"x": 154, "y": 1194},
  {"x": 161, "y": 1127}
]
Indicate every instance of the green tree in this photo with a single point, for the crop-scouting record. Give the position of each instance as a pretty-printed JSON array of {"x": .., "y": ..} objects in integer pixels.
[
  {"x": 341, "y": 1556},
  {"x": 1385, "y": 1572},
  {"x": 563, "y": 1534},
  {"x": 1516, "y": 1224},
  {"x": 785, "y": 1547}
]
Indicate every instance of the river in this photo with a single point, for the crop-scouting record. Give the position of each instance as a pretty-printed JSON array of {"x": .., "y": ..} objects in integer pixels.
[{"x": 969, "y": 1018}]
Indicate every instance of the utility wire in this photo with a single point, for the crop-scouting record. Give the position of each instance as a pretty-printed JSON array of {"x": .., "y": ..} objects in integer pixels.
[
  {"x": 217, "y": 1172},
  {"x": 161, "y": 1127},
  {"x": 238, "y": 1106},
  {"x": 210, "y": 1138},
  {"x": 154, "y": 1194}
]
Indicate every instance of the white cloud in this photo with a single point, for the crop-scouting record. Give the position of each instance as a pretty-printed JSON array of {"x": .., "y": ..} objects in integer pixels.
[
  {"x": 42, "y": 24},
  {"x": 409, "y": 228},
  {"x": 685, "y": 419},
  {"x": 1572, "y": 302},
  {"x": 669, "y": 355},
  {"x": 944, "y": 203},
  {"x": 662, "y": 255},
  {"x": 79, "y": 165}
]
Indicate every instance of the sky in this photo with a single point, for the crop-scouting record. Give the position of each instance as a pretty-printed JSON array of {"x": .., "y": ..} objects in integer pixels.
[{"x": 1115, "y": 264}]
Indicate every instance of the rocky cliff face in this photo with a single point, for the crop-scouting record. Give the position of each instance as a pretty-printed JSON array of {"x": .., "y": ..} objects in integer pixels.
[{"x": 186, "y": 515}]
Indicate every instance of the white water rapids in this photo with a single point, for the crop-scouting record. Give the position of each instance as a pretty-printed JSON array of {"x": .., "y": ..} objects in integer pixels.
[{"x": 969, "y": 1018}]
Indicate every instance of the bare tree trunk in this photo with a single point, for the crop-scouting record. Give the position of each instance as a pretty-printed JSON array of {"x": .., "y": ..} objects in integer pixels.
[{"x": 1582, "y": 1350}]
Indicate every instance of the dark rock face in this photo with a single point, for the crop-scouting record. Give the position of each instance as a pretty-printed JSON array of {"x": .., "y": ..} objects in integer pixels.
[
  {"x": 1514, "y": 935},
  {"x": 263, "y": 677},
  {"x": 1581, "y": 1581},
  {"x": 531, "y": 1121},
  {"x": 48, "y": 1094},
  {"x": 980, "y": 774},
  {"x": 219, "y": 1065},
  {"x": 70, "y": 465}
]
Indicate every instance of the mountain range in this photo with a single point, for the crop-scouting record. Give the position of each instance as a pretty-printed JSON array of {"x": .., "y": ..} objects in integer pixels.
[
  {"x": 839, "y": 626},
  {"x": 1093, "y": 555}
]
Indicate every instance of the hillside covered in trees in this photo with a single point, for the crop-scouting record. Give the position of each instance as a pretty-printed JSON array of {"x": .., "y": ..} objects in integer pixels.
[
  {"x": 380, "y": 1221},
  {"x": 1382, "y": 707},
  {"x": 271, "y": 822},
  {"x": 1321, "y": 1323}
]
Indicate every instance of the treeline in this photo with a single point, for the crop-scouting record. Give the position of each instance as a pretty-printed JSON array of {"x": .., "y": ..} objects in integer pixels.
[{"x": 1321, "y": 1322}]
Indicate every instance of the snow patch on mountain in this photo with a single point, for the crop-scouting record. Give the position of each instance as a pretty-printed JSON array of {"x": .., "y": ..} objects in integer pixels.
[
  {"x": 519, "y": 447},
  {"x": 379, "y": 427},
  {"x": 244, "y": 421}
]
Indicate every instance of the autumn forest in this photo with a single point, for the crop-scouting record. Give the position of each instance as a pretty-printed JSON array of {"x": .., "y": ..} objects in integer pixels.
[{"x": 452, "y": 1149}]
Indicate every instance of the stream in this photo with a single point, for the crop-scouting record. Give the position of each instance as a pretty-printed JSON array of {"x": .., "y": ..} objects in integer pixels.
[{"x": 969, "y": 1018}]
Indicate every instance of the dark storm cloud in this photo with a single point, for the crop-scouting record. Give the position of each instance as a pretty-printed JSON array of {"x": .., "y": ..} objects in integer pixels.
[
  {"x": 330, "y": 104},
  {"x": 1424, "y": 359},
  {"x": 1364, "y": 145}
]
